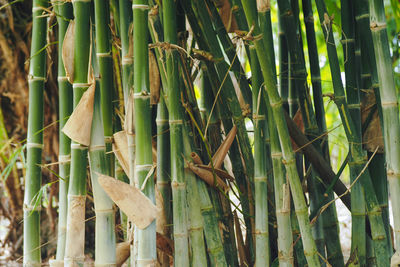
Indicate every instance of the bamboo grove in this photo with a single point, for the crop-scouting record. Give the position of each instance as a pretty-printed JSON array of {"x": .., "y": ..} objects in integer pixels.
[{"x": 198, "y": 131}]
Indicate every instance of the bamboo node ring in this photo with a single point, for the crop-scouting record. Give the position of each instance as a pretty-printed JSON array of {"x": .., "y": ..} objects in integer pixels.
[
  {"x": 260, "y": 178},
  {"x": 127, "y": 60},
  {"x": 97, "y": 147},
  {"x": 144, "y": 167},
  {"x": 31, "y": 208},
  {"x": 106, "y": 54},
  {"x": 62, "y": 159},
  {"x": 62, "y": 78},
  {"x": 175, "y": 121},
  {"x": 32, "y": 78},
  {"x": 104, "y": 211},
  {"x": 34, "y": 145},
  {"x": 140, "y": 6},
  {"x": 178, "y": 185},
  {"x": 78, "y": 146},
  {"x": 80, "y": 85}
]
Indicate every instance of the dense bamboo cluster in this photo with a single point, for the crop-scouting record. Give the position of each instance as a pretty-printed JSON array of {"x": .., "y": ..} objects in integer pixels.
[{"x": 193, "y": 129}]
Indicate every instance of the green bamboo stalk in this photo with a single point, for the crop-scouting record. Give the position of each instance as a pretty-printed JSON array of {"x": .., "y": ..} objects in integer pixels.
[
  {"x": 64, "y": 11},
  {"x": 181, "y": 256},
  {"x": 105, "y": 240},
  {"x": 330, "y": 224},
  {"x": 212, "y": 233},
  {"x": 389, "y": 103},
  {"x": 260, "y": 170},
  {"x": 353, "y": 135},
  {"x": 230, "y": 51},
  {"x": 288, "y": 155},
  {"x": 164, "y": 168},
  {"x": 283, "y": 81},
  {"x": 359, "y": 239},
  {"x": 127, "y": 58},
  {"x": 196, "y": 224},
  {"x": 105, "y": 219},
  {"x": 146, "y": 238},
  {"x": 74, "y": 250},
  {"x": 226, "y": 92},
  {"x": 220, "y": 202},
  {"x": 105, "y": 63},
  {"x": 33, "y": 179},
  {"x": 282, "y": 196}
]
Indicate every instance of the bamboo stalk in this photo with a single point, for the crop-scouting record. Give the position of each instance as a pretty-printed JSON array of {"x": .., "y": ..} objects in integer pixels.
[
  {"x": 354, "y": 138},
  {"x": 75, "y": 239},
  {"x": 219, "y": 201},
  {"x": 146, "y": 238},
  {"x": 288, "y": 155},
  {"x": 105, "y": 241},
  {"x": 105, "y": 219},
  {"x": 330, "y": 224},
  {"x": 260, "y": 170},
  {"x": 388, "y": 95},
  {"x": 181, "y": 256},
  {"x": 33, "y": 179},
  {"x": 64, "y": 10},
  {"x": 105, "y": 63},
  {"x": 211, "y": 42},
  {"x": 359, "y": 239},
  {"x": 282, "y": 196}
]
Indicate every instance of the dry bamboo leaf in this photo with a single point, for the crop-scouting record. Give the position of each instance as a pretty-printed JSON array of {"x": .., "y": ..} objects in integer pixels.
[
  {"x": 79, "y": 124},
  {"x": 219, "y": 172},
  {"x": 223, "y": 149},
  {"x": 196, "y": 158},
  {"x": 139, "y": 208},
  {"x": 68, "y": 51},
  {"x": 154, "y": 151},
  {"x": 227, "y": 16},
  {"x": 123, "y": 252},
  {"x": 129, "y": 124},
  {"x": 208, "y": 177},
  {"x": 74, "y": 246},
  {"x": 372, "y": 137},
  {"x": 161, "y": 220},
  {"x": 298, "y": 120},
  {"x": 154, "y": 79},
  {"x": 165, "y": 244},
  {"x": 240, "y": 241},
  {"x": 121, "y": 151}
]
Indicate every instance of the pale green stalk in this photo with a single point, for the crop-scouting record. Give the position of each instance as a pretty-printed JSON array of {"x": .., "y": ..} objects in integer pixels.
[
  {"x": 33, "y": 179},
  {"x": 288, "y": 155},
  {"x": 146, "y": 238},
  {"x": 64, "y": 14},
  {"x": 75, "y": 239},
  {"x": 390, "y": 110}
]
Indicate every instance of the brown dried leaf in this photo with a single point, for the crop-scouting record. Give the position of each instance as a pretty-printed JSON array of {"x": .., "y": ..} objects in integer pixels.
[
  {"x": 208, "y": 177},
  {"x": 139, "y": 208},
  {"x": 227, "y": 16},
  {"x": 154, "y": 79},
  {"x": 161, "y": 220},
  {"x": 123, "y": 252},
  {"x": 129, "y": 124},
  {"x": 165, "y": 244},
  {"x": 223, "y": 149},
  {"x": 79, "y": 124},
  {"x": 219, "y": 172},
  {"x": 196, "y": 158},
  {"x": 68, "y": 51},
  {"x": 121, "y": 151},
  {"x": 372, "y": 137}
]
